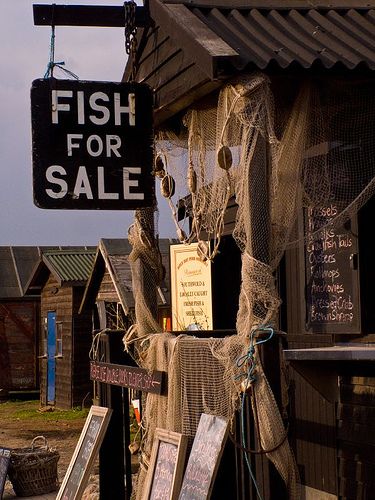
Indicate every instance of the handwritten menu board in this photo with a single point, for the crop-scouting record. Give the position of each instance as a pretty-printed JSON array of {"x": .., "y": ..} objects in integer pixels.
[
  {"x": 166, "y": 466},
  {"x": 204, "y": 458},
  {"x": 332, "y": 298},
  {"x": 84, "y": 455},
  {"x": 4, "y": 463}
]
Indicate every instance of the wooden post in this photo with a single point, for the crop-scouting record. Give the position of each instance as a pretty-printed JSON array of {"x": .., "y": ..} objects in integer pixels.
[
  {"x": 269, "y": 480},
  {"x": 114, "y": 455}
]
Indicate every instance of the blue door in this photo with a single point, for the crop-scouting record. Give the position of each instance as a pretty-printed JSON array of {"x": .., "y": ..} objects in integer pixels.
[{"x": 51, "y": 353}]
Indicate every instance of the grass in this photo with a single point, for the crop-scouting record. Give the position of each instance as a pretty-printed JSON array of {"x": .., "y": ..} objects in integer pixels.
[{"x": 25, "y": 410}]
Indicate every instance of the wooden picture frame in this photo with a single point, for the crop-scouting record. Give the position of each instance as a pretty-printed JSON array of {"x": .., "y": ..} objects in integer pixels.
[
  {"x": 204, "y": 459},
  {"x": 88, "y": 445},
  {"x": 4, "y": 464},
  {"x": 166, "y": 467}
]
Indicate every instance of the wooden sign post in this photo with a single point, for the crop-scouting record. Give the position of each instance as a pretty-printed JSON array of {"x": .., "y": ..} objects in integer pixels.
[
  {"x": 166, "y": 466},
  {"x": 78, "y": 472},
  {"x": 204, "y": 458}
]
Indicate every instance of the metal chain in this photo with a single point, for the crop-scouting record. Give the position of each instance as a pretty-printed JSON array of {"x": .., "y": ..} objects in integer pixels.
[{"x": 130, "y": 34}]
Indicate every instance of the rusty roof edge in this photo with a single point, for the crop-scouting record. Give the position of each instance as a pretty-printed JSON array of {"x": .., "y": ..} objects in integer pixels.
[{"x": 276, "y": 4}]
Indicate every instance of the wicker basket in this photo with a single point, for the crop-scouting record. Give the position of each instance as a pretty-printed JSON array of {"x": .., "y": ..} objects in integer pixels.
[{"x": 33, "y": 471}]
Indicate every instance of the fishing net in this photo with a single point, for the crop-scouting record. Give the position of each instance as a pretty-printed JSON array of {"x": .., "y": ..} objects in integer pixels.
[{"x": 277, "y": 149}]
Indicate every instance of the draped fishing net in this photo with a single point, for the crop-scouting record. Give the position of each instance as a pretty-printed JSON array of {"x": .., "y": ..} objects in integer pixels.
[{"x": 277, "y": 150}]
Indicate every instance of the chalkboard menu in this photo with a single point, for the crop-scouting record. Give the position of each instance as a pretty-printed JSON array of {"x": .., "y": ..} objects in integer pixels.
[
  {"x": 84, "y": 455},
  {"x": 166, "y": 466},
  {"x": 204, "y": 458},
  {"x": 4, "y": 463},
  {"x": 332, "y": 297}
]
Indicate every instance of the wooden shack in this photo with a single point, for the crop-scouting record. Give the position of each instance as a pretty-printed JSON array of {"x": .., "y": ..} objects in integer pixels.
[
  {"x": 65, "y": 336},
  {"x": 109, "y": 292},
  {"x": 189, "y": 50},
  {"x": 19, "y": 320}
]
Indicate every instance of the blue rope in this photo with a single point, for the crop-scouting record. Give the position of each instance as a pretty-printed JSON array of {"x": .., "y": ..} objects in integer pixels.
[
  {"x": 52, "y": 64},
  {"x": 248, "y": 375}
]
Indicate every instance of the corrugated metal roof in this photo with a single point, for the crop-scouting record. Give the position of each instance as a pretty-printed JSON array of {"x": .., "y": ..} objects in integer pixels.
[
  {"x": 302, "y": 36},
  {"x": 70, "y": 266}
]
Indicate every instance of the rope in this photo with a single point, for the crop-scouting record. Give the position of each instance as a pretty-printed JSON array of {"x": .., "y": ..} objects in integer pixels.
[{"x": 52, "y": 64}]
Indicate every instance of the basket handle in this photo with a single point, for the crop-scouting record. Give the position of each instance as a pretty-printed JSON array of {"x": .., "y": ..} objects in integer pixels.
[{"x": 45, "y": 445}]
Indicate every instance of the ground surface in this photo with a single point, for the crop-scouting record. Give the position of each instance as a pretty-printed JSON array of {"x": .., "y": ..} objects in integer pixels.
[{"x": 21, "y": 421}]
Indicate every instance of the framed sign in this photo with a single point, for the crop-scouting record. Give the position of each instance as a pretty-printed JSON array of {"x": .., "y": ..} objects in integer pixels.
[
  {"x": 332, "y": 272},
  {"x": 132, "y": 377},
  {"x": 84, "y": 455},
  {"x": 204, "y": 458},
  {"x": 4, "y": 464},
  {"x": 166, "y": 466},
  {"x": 191, "y": 288},
  {"x": 92, "y": 144}
]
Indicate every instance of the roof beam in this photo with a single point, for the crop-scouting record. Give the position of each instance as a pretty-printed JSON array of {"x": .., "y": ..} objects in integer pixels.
[
  {"x": 209, "y": 50},
  {"x": 86, "y": 15},
  {"x": 277, "y": 4}
]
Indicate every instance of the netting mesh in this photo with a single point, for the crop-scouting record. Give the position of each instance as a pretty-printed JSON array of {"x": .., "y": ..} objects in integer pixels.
[{"x": 312, "y": 148}]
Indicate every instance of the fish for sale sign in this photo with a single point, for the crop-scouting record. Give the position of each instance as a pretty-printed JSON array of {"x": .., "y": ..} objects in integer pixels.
[{"x": 92, "y": 145}]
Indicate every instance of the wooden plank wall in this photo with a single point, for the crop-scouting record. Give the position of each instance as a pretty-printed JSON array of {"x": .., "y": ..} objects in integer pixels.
[
  {"x": 170, "y": 72},
  {"x": 312, "y": 424},
  {"x": 82, "y": 387},
  {"x": 18, "y": 341},
  {"x": 356, "y": 434},
  {"x": 60, "y": 299}
]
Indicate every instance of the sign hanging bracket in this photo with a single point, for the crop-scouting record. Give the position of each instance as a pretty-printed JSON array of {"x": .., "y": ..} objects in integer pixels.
[{"x": 105, "y": 16}]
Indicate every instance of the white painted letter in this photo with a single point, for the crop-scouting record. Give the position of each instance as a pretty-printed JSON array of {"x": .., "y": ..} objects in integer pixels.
[
  {"x": 131, "y": 183},
  {"x": 101, "y": 188},
  {"x": 55, "y": 180},
  {"x": 99, "y": 150},
  {"x": 113, "y": 143},
  {"x": 82, "y": 185},
  {"x": 70, "y": 144},
  {"x": 123, "y": 109},
  {"x": 93, "y": 98},
  {"x": 56, "y": 106},
  {"x": 81, "y": 107}
]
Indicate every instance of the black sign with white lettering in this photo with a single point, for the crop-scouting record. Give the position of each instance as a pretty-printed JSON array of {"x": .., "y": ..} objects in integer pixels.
[{"x": 92, "y": 145}]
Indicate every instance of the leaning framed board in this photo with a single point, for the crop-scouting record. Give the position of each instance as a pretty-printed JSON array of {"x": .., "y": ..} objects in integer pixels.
[
  {"x": 90, "y": 440},
  {"x": 166, "y": 465},
  {"x": 4, "y": 464},
  {"x": 204, "y": 458}
]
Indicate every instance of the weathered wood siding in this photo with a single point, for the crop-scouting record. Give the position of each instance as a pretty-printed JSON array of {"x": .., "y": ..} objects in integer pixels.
[
  {"x": 107, "y": 291},
  {"x": 59, "y": 299},
  {"x": 356, "y": 434},
  {"x": 18, "y": 344},
  {"x": 82, "y": 387}
]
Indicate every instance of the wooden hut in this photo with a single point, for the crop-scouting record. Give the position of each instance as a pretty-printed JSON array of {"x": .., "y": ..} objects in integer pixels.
[
  {"x": 65, "y": 337},
  {"x": 109, "y": 292},
  {"x": 186, "y": 54},
  {"x": 19, "y": 320}
]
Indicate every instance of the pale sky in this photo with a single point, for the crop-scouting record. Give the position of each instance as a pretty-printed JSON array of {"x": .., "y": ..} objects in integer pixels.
[{"x": 91, "y": 53}]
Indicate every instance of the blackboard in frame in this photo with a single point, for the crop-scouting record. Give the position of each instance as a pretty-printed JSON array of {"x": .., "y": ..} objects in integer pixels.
[
  {"x": 166, "y": 467},
  {"x": 331, "y": 272},
  {"x": 4, "y": 464},
  {"x": 88, "y": 445},
  {"x": 204, "y": 458}
]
